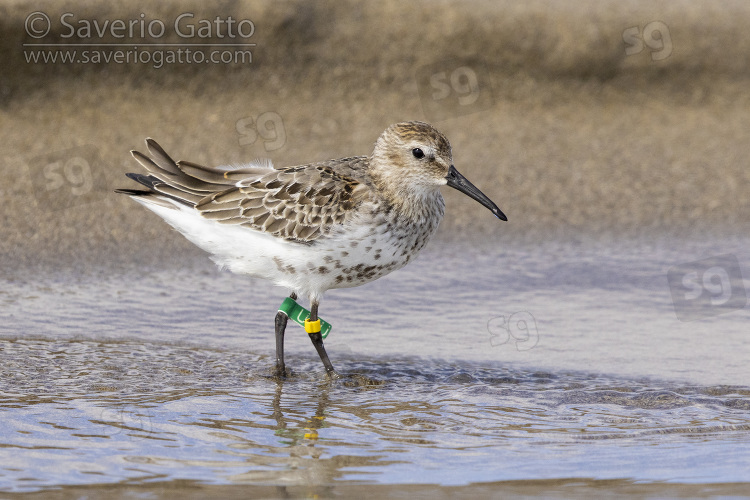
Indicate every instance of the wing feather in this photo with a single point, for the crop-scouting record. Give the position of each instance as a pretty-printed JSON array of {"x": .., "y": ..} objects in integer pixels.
[{"x": 297, "y": 203}]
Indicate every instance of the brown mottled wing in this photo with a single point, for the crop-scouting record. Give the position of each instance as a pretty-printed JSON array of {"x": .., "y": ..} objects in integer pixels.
[{"x": 297, "y": 203}]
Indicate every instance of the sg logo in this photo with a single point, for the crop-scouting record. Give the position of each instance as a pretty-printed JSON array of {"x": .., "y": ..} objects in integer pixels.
[
  {"x": 463, "y": 81},
  {"x": 453, "y": 88},
  {"x": 520, "y": 326},
  {"x": 69, "y": 178},
  {"x": 269, "y": 126},
  {"x": 75, "y": 173},
  {"x": 707, "y": 287},
  {"x": 655, "y": 36},
  {"x": 135, "y": 421}
]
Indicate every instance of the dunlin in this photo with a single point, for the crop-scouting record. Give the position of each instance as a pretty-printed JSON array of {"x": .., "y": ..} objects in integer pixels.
[{"x": 310, "y": 228}]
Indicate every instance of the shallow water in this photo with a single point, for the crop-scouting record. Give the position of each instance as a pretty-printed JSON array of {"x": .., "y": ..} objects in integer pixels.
[{"x": 144, "y": 377}]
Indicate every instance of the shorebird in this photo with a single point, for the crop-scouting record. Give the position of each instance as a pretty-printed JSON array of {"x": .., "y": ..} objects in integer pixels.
[{"x": 314, "y": 227}]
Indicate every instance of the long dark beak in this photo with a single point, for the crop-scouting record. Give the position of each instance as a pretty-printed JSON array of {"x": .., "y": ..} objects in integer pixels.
[{"x": 458, "y": 181}]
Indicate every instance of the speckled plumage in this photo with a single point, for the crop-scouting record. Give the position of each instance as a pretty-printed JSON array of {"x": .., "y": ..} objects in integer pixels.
[{"x": 315, "y": 227}]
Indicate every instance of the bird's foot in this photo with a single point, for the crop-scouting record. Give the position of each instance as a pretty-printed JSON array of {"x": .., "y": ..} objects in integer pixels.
[{"x": 280, "y": 371}]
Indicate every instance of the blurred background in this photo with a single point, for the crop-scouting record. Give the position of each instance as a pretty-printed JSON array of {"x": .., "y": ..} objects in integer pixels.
[
  {"x": 582, "y": 120},
  {"x": 595, "y": 341}
]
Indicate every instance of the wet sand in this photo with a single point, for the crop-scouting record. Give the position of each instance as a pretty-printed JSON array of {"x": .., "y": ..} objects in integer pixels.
[
  {"x": 574, "y": 138},
  {"x": 578, "y": 488}
]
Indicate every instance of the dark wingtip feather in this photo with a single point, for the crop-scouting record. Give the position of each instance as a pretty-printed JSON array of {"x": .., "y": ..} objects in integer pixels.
[
  {"x": 147, "y": 180},
  {"x": 133, "y": 192},
  {"x": 151, "y": 183}
]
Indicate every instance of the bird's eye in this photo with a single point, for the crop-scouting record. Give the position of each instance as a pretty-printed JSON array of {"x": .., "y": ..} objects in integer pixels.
[{"x": 418, "y": 153}]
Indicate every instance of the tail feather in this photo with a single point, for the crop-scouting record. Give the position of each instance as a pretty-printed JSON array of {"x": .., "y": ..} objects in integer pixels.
[
  {"x": 184, "y": 182},
  {"x": 146, "y": 180},
  {"x": 156, "y": 189},
  {"x": 185, "y": 197},
  {"x": 161, "y": 158}
]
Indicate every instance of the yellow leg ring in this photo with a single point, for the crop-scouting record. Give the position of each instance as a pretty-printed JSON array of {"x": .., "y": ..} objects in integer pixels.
[{"x": 312, "y": 326}]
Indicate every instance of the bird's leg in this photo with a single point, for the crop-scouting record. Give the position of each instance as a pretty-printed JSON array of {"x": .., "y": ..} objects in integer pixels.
[
  {"x": 317, "y": 340},
  {"x": 280, "y": 325}
]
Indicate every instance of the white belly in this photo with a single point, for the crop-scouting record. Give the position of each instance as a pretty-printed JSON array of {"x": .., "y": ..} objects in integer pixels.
[{"x": 350, "y": 257}]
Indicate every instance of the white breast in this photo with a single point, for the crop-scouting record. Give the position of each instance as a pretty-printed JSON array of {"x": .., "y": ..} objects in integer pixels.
[{"x": 367, "y": 248}]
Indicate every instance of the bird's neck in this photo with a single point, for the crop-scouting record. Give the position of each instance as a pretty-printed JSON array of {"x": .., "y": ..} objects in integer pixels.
[{"x": 410, "y": 201}]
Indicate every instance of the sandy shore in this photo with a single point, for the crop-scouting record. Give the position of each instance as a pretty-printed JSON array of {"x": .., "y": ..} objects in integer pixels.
[
  {"x": 572, "y": 123},
  {"x": 579, "y": 488}
]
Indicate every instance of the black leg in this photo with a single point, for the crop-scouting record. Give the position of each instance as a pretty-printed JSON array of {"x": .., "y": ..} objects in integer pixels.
[
  {"x": 280, "y": 326},
  {"x": 317, "y": 340}
]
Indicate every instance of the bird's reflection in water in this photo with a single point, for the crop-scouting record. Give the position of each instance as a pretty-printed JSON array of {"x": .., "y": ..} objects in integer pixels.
[{"x": 292, "y": 432}]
